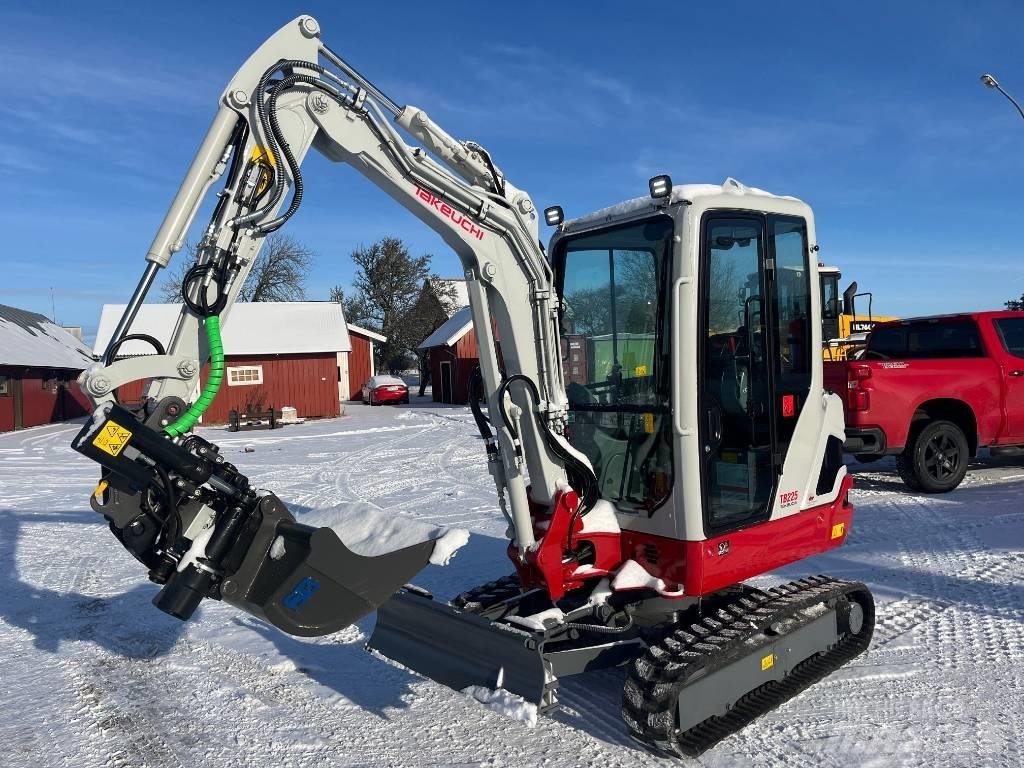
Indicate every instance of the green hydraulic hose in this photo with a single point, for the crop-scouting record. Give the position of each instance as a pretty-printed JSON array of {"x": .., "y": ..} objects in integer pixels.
[{"x": 191, "y": 416}]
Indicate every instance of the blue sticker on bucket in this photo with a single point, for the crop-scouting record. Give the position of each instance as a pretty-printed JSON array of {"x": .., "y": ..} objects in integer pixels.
[{"x": 302, "y": 592}]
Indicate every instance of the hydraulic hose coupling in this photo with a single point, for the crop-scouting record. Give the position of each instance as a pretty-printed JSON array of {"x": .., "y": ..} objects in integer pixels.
[{"x": 213, "y": 381}]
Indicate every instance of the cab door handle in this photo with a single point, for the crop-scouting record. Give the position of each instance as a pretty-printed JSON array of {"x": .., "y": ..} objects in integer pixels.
[{"x": 1017, "y": 373}]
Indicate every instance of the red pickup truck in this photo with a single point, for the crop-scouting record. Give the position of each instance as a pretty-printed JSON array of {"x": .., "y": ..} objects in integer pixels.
[{"x": 932, "y": 391}]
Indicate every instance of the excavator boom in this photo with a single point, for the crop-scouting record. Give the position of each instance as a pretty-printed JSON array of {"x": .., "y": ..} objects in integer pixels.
[{"x": 292, "y": 95}]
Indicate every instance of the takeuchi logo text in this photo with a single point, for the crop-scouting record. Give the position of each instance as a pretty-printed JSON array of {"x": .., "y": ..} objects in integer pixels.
[{"x": 450, "y": 213}]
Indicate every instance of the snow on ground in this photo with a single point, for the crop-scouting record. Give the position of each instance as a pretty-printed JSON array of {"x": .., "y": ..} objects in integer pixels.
[{"x": 93, "y": 675}]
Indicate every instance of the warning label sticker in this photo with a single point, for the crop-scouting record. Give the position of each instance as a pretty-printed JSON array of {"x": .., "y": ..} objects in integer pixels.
[{"x": 112, "y": 438}]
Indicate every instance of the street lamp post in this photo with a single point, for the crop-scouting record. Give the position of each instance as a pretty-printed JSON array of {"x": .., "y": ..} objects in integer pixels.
[{"x": 991, "y": 82}]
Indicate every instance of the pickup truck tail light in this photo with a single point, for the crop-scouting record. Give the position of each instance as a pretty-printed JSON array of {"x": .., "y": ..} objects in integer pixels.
[{"x": 857, "y": 398}]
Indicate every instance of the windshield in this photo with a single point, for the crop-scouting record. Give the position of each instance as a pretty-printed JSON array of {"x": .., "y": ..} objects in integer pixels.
[{"x": 616, "y": 357}]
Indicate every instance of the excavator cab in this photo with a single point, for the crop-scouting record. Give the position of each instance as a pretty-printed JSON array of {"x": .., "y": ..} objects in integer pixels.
[{"x": 692, "y": 325}]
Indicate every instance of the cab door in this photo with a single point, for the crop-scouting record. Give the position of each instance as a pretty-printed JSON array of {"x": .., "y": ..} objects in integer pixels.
[
  {"x": 738, "y": 477},
  {"x": 1010, "y": 331},
  {"x": 755, "y": 364}
]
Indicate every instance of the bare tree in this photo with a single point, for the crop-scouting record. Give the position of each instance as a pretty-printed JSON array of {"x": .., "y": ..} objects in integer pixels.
[
  {"x": 169, "y": 290},
  {"x": 279, "y": 273}
]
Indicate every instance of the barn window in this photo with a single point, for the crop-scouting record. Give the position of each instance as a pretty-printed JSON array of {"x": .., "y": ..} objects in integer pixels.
[
  {"x": 240, "y": 376},
  {"x": 5, "y": 386}
]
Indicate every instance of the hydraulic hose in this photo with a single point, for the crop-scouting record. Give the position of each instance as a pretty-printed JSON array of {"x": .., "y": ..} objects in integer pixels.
[{"x": 186, "y": 421}]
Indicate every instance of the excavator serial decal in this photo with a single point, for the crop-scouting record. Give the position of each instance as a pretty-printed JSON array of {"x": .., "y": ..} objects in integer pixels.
[{"x": 449, "y": 213}]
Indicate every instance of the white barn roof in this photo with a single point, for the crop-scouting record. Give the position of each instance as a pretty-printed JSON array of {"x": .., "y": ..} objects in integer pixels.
[
  {"x": 451, "y": 331},
  {"x": 372, "y": 335},
  {"x": 30, "y": 339},
  {"x": 251, "y": 328}
]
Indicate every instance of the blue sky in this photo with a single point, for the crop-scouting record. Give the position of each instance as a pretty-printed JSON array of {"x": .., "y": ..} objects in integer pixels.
[{"x": 870, "y": 111}]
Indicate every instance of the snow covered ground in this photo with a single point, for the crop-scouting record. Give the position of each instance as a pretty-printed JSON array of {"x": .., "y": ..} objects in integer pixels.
[{"x": 92, "y": 675}]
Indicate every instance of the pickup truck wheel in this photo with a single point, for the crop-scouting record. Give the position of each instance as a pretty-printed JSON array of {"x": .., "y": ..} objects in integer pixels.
[
  {"x": 936, "y": 460},
  {"x": 905, "y": 467}
]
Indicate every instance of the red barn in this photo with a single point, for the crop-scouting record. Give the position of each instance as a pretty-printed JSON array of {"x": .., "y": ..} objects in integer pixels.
[
  {"x": 452, "y": 355},
  {"x": 39, "y": 362},
  {"x": 276, "y": 354},
  {"x": 360, "y": 360}
]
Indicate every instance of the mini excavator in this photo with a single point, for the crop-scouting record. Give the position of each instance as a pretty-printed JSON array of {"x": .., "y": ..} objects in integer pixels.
[{"x": 654, "y": 421}]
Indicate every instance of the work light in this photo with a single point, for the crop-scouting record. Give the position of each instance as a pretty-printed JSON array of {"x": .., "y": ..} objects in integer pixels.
[
  {"x": 554, "y": 215},
  {"x": 660, "y": 186}
]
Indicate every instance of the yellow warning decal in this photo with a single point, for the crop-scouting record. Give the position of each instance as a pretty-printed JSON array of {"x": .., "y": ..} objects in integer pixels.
[
  {"x": 640, "y": 370},
  {"x": 838, "y": 530},
  {"x": 112, "y": 438},
  {"x": 262, "y": 153},
  {"x": 768, "y": 662},
  {"x": 649, "y": 423}
]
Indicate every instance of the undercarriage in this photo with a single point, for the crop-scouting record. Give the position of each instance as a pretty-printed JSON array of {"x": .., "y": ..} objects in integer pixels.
[{"x": 697, "y": 669}]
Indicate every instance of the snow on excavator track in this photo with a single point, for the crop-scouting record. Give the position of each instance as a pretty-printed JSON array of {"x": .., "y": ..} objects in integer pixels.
[{"x": 680, "y": 695}]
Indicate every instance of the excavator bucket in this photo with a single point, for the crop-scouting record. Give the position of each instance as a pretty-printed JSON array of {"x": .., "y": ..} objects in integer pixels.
[{"x": 307, "y": 582}]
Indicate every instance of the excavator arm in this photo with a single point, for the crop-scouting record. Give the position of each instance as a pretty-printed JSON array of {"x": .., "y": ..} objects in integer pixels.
[{"x": 171, "y": 499}]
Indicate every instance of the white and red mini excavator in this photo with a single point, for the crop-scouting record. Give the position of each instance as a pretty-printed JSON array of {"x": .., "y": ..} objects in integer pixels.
[{"x": 654, "y": 421}]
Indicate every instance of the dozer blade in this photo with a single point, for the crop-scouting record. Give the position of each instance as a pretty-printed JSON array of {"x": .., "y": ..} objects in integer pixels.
[
  {"x": 306, "y": 582},
  {"x": 461, "y": 649}
]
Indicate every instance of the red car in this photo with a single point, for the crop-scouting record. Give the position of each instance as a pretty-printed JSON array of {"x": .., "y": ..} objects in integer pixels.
[
  {"x": 385, "y": 389},
  {"x": 932, "y": 391}
]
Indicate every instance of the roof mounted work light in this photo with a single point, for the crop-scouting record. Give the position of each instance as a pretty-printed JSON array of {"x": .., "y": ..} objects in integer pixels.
[
  {"x": 660, "y": 186},
  {"x": 554, "y": 215}
]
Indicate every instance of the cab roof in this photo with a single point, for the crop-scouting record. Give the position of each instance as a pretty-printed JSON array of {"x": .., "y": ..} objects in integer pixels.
[{"x": 727, "y": 192}]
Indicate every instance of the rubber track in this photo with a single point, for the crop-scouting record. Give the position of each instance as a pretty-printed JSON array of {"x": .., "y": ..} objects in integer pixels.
[
  {"x": 658, "y": 678},
  {"x": 482, "y": 597}
]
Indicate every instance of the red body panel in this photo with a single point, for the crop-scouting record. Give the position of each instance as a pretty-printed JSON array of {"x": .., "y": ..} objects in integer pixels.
[
  {"x": 895, "y": 389},
  {"x": 701, "y": 567}
]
